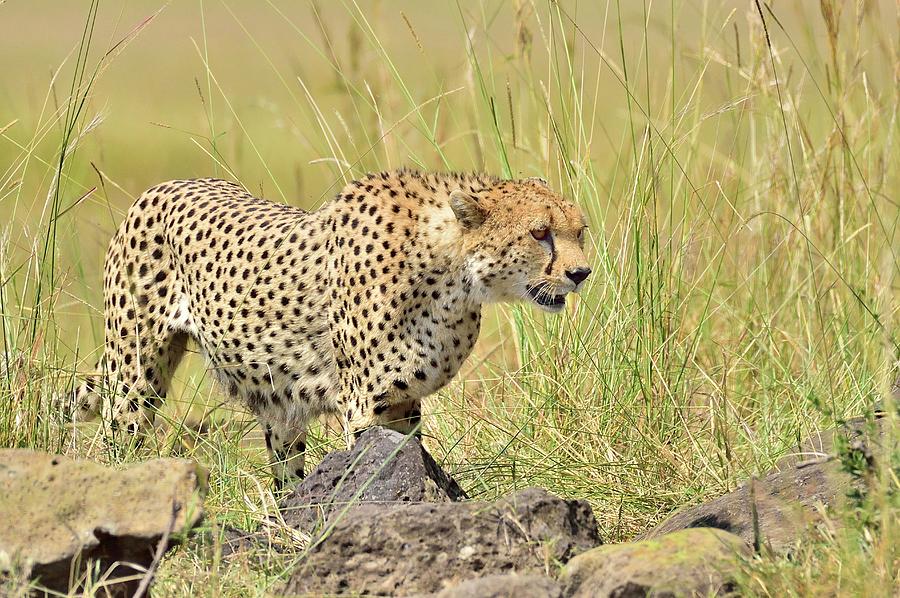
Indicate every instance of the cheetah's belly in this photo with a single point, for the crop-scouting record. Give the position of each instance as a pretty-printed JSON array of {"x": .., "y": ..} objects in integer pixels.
[
  {"x": 286, "y": 366},
  {"x": 258, "y": 313}
]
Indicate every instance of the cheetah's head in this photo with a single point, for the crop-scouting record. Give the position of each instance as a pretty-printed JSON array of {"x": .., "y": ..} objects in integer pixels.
[{"x": 523, "y": 242}]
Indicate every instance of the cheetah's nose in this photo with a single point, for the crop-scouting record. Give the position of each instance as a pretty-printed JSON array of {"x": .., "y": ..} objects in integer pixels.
[{"x": 578, "y": 274}]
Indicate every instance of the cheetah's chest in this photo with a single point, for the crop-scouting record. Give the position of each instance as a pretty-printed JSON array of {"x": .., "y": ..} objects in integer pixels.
[{"x": 438, "y": 345}]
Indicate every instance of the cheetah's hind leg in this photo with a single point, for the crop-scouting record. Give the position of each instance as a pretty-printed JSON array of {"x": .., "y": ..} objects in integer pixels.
[
  {"x": 126, "y": 390},
  {"x": 93, "y": 398}
]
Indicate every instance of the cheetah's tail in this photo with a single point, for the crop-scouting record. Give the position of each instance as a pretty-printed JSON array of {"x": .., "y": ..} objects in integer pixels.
[
  {"x": 79, "y": 403},
  {"x": 85, "y": 400}
]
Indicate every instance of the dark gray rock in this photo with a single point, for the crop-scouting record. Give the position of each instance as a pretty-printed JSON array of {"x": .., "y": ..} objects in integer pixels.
[
  {"x": 232, "y": 541},
  {"x": 694, "y": 562},
  {"x": 787, "y": 502},
  {"x": 403, "y": 549},
  {"x": 59, "y": 515},
  {"x": 505, "y": 586},
  {"x": 384, "y": 466},
  {"x": 822, "y": 446}
]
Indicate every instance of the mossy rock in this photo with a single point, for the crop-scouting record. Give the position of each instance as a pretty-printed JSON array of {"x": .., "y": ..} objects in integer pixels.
[
  {"x": 61, "y": 514},
  {"x": 693, "y": 562}
]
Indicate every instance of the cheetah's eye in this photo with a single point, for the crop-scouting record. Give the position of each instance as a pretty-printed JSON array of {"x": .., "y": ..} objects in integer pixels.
[{"x": 540, "y": 234}]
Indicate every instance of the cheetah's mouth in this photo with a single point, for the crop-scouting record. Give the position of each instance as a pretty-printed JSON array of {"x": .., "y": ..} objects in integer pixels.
[{"x": 540, "y": 294}]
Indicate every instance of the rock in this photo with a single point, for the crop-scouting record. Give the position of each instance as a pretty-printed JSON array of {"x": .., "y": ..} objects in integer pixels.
[
  {"x": 55, "y": 509},
  {"x": 694, "y": 562},
  {"x": 233, "y": 541},
  {"x": 384, "y": 466},
  {"x": 505, "y": 586},
  {"x": 787, "y": 502},
  {"x": 821, "y": 445},
  {"x": 403, "y": 549}
]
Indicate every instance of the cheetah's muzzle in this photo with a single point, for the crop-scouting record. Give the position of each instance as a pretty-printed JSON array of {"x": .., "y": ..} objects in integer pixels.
[{"x": 540, "y": 294}]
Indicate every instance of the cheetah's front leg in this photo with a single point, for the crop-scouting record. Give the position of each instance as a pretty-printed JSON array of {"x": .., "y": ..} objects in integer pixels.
[
  {"x": 405, "y": 418},
  {"x": 287, "y": 450}
]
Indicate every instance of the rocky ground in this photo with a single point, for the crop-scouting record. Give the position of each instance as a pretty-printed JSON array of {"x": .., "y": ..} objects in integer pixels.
[
  {"x": 59, "y": 515},
  {"x": 385, "y": 519}
]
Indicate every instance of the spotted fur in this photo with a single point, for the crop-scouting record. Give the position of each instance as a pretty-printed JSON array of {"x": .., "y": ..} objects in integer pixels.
[{"x": 360, "y": 309}]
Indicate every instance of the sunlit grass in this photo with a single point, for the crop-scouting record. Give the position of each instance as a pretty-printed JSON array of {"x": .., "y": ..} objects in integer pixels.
[{"x": 741, "y": 196}]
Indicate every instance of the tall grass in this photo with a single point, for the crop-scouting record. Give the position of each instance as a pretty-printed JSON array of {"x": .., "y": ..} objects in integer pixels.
[{"x": 737, "y": 164}]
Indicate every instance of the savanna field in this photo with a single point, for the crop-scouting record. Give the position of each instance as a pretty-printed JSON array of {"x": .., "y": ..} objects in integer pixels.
[{"x": 738, "y": 163}]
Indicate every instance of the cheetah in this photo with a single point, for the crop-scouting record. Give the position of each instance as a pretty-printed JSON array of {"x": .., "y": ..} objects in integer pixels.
[{"x": 361, "y": 308}]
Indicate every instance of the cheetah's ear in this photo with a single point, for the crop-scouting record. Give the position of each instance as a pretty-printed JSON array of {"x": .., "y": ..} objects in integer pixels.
[
  {"x": 539, "y": 180},
  {"x": 466, "y": 208}
]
